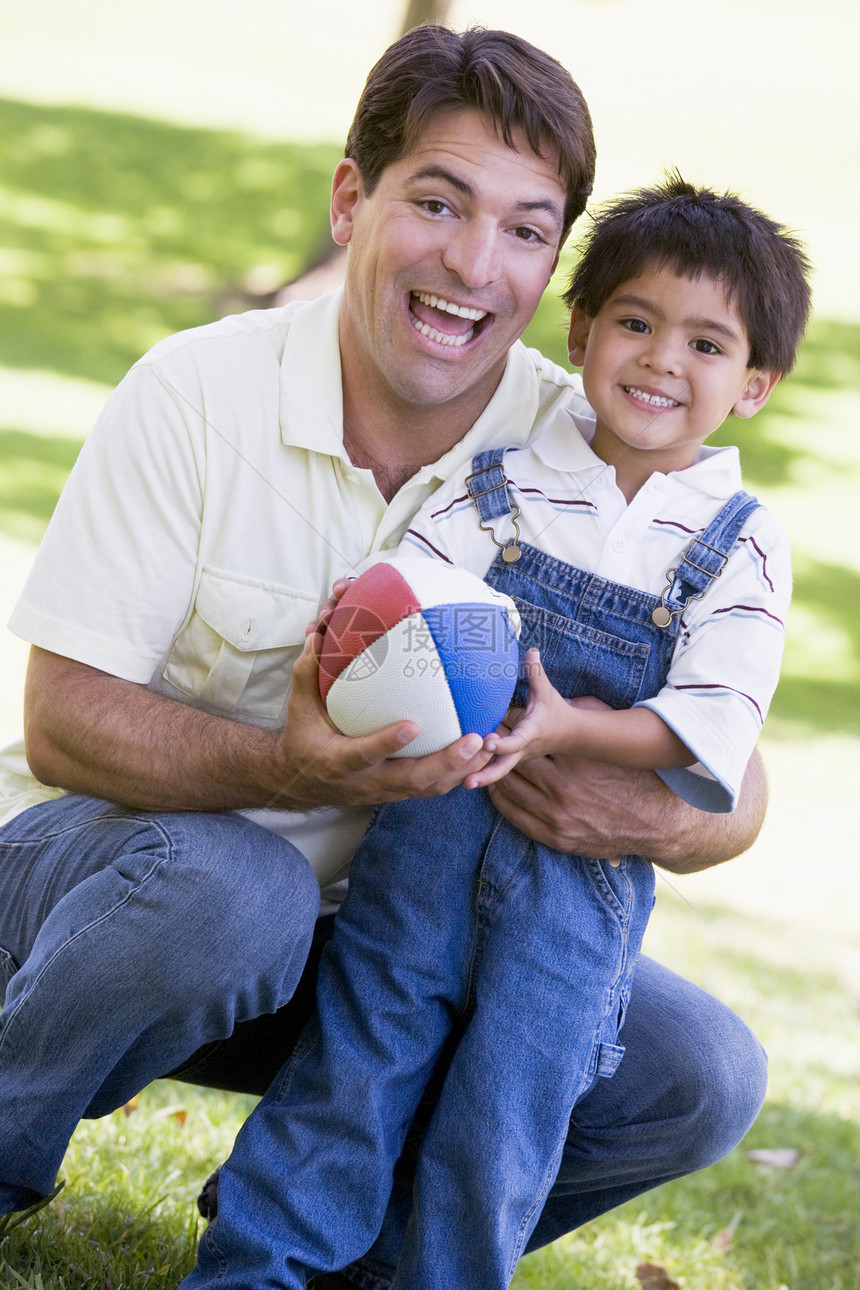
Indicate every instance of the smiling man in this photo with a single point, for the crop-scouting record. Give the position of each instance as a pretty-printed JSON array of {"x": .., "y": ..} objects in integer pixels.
[{"x": 187, "y": 797}]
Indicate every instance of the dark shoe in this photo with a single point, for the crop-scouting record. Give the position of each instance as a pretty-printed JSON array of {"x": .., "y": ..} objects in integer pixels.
[
  {"x": 18, "y": 1216},
  {"x": 207, "y": 1201}
]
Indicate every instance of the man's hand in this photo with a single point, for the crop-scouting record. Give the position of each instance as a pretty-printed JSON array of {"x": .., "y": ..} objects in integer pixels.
[
  {"x": 319, "y": 766},
  {"x": 589, "y": 808}
]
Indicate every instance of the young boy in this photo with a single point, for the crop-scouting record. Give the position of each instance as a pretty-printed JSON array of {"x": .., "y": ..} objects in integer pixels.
[{"x": 647, "y": 580}]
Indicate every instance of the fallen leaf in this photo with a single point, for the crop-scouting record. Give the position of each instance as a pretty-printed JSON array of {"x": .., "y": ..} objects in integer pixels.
[
  {"x": 653, "y": 1277},
  {"x": 180, "y": 1116},
  {"x": 131, "y": 1106},
  {"x": 775, "y": 1157}
]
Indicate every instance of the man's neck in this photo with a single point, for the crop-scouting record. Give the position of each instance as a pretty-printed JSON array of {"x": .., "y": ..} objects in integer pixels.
[{"x": 395, "y": 441}]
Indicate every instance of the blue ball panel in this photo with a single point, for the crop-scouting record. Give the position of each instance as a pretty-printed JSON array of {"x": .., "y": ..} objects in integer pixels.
[{"x": 480, "y": 658}]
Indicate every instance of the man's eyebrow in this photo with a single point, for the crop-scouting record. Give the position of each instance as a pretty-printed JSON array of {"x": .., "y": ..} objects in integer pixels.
[
  {"x": 697, "y": 324},
  {"x": 435, "y": 171}
]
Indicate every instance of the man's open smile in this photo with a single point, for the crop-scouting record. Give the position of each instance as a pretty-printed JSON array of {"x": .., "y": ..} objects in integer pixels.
[{"x": 443, "y": 321}]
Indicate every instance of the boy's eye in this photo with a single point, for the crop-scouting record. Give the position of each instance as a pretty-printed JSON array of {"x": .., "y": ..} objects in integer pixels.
[
  {"x": 635, "y": 324},
  {"x": 705, "y": 346}
]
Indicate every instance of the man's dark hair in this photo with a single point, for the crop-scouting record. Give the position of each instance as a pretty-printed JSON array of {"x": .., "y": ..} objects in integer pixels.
[
  {"x": 515, "y": 85},
  {"x": 693, "y": 231}
]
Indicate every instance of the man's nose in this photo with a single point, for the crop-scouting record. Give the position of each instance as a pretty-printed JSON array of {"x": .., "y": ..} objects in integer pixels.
[{"x": 474, "y": 254}]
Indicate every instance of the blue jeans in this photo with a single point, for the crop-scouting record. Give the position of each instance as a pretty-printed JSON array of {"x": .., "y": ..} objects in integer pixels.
[
  {"x": 212, "y": 914},
  {"x": 691, "y": 1083},
  {"x": 127, "y": 942}
]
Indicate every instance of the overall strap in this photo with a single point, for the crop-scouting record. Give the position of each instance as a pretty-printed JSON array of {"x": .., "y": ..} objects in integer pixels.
[
  {"x": 488, "y": 488},
  {"x": 705, "y": 557}
]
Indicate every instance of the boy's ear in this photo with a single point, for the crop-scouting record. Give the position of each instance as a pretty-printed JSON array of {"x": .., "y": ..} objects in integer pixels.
[
  {"x": 756, "y": 392},
  {"x": 347, "y": 191},
  {"x": 577, "y": 336}
]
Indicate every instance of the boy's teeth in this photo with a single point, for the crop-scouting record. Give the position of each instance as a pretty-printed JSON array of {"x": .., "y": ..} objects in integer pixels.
[
  {"x": 460, "y": 311},
  {"x": 656, "y": 399}
]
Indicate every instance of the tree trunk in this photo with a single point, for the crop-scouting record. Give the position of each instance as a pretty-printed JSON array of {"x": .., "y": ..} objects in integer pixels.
[{"x": 418, "y": 11}]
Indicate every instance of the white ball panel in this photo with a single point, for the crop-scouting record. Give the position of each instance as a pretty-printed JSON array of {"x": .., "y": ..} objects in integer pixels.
[
  {"x": 435, "y": 583},
  {"x": 401, "y": 679}
]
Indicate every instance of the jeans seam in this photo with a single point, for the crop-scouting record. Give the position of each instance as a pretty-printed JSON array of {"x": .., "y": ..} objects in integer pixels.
[{"x": 10, "y": 1017}]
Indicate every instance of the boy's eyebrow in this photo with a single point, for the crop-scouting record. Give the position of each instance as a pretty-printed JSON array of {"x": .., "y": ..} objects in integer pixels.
[
  {"x": 698, "y": 324},
  {"x": 435, "y": 171}
]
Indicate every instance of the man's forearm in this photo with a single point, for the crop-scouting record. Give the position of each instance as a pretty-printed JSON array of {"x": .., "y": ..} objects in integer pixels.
[
  {"x": 92, "y": 733},
  {"x": 692, "y": 840}
]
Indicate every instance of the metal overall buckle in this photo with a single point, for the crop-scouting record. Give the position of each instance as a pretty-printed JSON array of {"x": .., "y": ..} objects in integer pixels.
[
  {"x": 663, "y": 615},
  {"x": 511, "y": 551}
]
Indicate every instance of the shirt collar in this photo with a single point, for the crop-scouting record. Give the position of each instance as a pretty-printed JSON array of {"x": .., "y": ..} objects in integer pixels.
[
  {"x": 311, "y": 393},
  {"x": 563, "y": 444}
]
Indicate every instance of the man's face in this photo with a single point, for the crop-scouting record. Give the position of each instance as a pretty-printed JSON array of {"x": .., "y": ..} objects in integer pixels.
[{"x": 448, "y": 258}]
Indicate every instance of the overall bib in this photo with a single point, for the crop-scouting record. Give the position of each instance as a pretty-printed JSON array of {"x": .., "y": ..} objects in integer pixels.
[{"x": 464, "y": 947}]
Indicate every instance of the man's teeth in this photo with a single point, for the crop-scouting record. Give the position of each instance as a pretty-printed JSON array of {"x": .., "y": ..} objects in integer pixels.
[
  {"x": 461, "y": 311},
  {"x": 657, "y": 400},
  {"x": 444, "y": 338}
]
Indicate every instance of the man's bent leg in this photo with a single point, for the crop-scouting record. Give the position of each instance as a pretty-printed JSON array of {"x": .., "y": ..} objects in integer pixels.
[
  {"x": 130, "y": 940},
  {"x": 690, "y": 1085}
]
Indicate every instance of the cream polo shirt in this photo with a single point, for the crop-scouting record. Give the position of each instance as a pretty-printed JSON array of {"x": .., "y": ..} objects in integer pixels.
[
  {"x": 726, "y": 664},
  {"x": 209, "y": 512}
]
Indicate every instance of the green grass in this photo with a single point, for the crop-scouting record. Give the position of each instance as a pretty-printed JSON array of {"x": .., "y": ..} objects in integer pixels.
[{"x": 117, "y": 229}]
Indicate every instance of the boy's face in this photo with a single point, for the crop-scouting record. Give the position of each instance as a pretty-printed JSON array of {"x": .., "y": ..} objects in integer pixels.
[{"x": 664, "y": 362}]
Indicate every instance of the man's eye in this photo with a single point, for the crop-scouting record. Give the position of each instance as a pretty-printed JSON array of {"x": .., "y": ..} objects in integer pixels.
[
  {"x": 526, "y": 234},
  {"x": 433, "y": 206}
]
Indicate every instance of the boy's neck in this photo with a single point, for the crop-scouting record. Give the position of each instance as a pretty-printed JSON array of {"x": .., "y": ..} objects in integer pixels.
[{"x": 634, "y": 468}]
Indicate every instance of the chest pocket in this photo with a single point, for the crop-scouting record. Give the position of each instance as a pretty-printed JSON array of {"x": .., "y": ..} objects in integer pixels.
[
  {"x": 580, "y": 659},
  {"x": 236, "y": 652}
]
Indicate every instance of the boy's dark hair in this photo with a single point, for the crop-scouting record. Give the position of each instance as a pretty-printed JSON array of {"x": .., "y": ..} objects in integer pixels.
[
  {"x": 515, "y": 85},
  {"x": 692, "y": 231}
]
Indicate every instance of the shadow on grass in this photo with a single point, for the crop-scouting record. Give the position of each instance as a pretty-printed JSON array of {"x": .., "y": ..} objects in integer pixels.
[{"x": 118, "y": 230}]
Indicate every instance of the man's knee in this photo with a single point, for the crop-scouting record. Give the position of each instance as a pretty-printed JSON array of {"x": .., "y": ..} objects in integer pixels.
[
  {"x": 722, "y": 1080},
  {"x": 225, "y": 899}
]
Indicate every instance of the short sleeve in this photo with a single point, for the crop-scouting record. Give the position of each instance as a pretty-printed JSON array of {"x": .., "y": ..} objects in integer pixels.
[
  {"x": 114, "y": 575},
  {"x": 726, "y": 667}
]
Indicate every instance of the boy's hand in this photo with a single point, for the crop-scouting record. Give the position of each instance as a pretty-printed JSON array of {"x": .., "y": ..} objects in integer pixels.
[{"x": 535, "y": 733}]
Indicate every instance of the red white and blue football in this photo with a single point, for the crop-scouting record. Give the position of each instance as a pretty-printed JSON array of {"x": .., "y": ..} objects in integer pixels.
[{"x": 419, "y": 640}]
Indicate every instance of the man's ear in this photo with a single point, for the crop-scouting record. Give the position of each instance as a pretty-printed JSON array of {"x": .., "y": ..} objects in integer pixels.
[
  {"x": 577, "y": 336},
  {"x": 347, "y": 191},
  {"x": 756, "y": 392}
]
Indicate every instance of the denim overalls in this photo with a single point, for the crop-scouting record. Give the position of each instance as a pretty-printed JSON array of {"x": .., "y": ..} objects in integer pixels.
[{"x": 460, "y": 933}]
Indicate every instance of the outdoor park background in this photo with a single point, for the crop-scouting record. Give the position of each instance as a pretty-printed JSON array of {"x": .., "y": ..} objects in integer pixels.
[{"x": 163, "y": 164}]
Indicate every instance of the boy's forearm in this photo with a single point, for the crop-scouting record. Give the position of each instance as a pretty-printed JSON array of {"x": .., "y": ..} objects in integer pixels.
[{"x": 635, "y": 738}]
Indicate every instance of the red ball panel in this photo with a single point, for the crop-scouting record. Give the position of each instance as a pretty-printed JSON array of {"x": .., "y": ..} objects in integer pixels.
[{"x": 377, "y": 600}]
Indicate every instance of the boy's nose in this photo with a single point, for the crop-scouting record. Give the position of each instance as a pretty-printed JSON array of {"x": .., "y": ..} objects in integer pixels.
[{"x": 663, "y": 355}]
